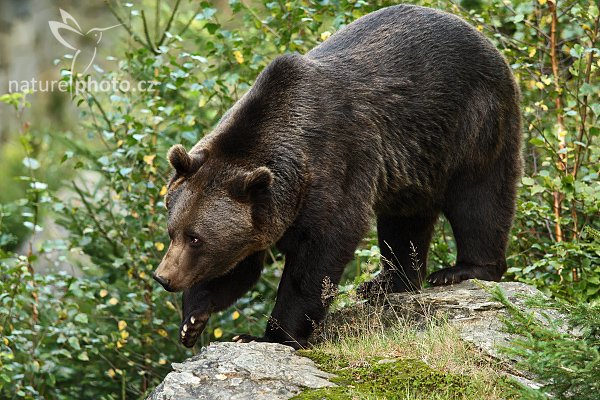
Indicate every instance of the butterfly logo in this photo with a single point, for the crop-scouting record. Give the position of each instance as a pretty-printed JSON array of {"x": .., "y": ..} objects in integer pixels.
[{"x": 68, "y": 31}]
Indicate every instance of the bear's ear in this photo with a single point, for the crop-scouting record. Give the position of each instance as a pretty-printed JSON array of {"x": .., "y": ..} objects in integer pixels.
[
  {"x": 185, "y": 163},
  {"x": 250, "y": 186}
]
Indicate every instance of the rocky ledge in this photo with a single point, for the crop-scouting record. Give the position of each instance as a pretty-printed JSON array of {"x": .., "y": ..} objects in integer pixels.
[
  {"x": 236, "y": 371},
  {"x": 467, "y": 306},
  {"x": 271, "y": 371}
]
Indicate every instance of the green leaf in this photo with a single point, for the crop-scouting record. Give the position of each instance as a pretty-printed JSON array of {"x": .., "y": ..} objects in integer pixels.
[
  {"x": 74, "y": 342},
  {"x": 81, "y": 318},
  {"x": 537, "y": 189},
  {"x": 576, "y": 51},
  {"x": 567, "y": 180},
  {"x": 537, "y": 142},
  {"x": 125, "y": 171},
  {"x": 588, "y": 90},
  {"x": 211, "y": 28},
  {"x": 527, "y": 181},
  {"x": 592, "y": 290}
]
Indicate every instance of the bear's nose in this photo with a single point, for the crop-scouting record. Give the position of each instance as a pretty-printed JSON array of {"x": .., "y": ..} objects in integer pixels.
[{"x": 164, "y": 282}]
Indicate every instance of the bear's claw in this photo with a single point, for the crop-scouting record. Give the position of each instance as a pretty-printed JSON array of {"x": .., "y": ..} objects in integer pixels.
[
  {"x": 453, "y": 275},
  {"x": 245, "y": 338}
]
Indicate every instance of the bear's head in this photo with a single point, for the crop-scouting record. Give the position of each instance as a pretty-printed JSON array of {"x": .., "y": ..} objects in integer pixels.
[{"x": 218, "y": 214}]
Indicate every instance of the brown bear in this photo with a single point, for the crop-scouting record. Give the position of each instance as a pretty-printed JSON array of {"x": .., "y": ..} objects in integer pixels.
[{"x": 402, "y": 115}]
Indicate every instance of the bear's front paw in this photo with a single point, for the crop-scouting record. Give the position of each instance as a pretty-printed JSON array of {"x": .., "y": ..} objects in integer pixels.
[
  {"x": 287, "y": 341},
  {"x": 192, "y": 327},
  {"x": 245, "y": 338}
]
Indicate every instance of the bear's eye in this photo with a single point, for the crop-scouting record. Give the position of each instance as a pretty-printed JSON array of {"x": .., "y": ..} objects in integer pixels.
[{"x": 194, "y": 240}]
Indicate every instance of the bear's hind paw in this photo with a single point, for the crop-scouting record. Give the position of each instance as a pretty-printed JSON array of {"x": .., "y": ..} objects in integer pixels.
[{"x": 462, "y": 272}]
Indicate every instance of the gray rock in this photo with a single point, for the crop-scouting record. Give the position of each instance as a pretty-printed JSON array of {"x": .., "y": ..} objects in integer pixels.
[
  {"x": 237, "y": 371},
  {"x": 467, "y": 306},
  {"x": 268, "y": 371}
]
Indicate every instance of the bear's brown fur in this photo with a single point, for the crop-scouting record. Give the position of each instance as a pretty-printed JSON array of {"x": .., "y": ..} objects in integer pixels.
[{"x": 404, "y": 114}]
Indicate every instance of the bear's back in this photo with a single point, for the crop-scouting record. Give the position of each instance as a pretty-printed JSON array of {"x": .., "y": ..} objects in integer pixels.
[
  {"x": 419, "y": 89},
  {"x": 416, "y": 44}
]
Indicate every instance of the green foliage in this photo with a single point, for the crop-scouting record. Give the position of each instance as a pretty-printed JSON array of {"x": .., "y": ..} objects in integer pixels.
[
  {"x": 108, "y": 328},
  {"x": 564, "y": 354},
  {"x": 60, "y": 335},
  {"x": 23, "y": 181}
]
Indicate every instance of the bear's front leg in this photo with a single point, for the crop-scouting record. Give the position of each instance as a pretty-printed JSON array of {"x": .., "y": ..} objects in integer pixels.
[
  {"x": 197, "y": 307},
  {"x": 312, "y": 267},
  {"x": 204, "y": 299}
]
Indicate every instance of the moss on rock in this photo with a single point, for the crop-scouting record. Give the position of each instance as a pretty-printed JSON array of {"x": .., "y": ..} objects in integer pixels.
[{"x": 380, "y": 378}]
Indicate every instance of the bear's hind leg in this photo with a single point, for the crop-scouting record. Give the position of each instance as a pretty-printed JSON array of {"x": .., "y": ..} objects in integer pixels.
[
  {"x": 404, "y": 243},
  {"x": 481, "y": 216}
]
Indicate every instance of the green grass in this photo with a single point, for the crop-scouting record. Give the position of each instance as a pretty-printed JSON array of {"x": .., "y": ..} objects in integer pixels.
[{"x": 403, "y": 363}]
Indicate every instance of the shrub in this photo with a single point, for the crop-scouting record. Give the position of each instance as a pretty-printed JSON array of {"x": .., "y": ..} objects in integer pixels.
[{"x": 568, "y": 365}]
